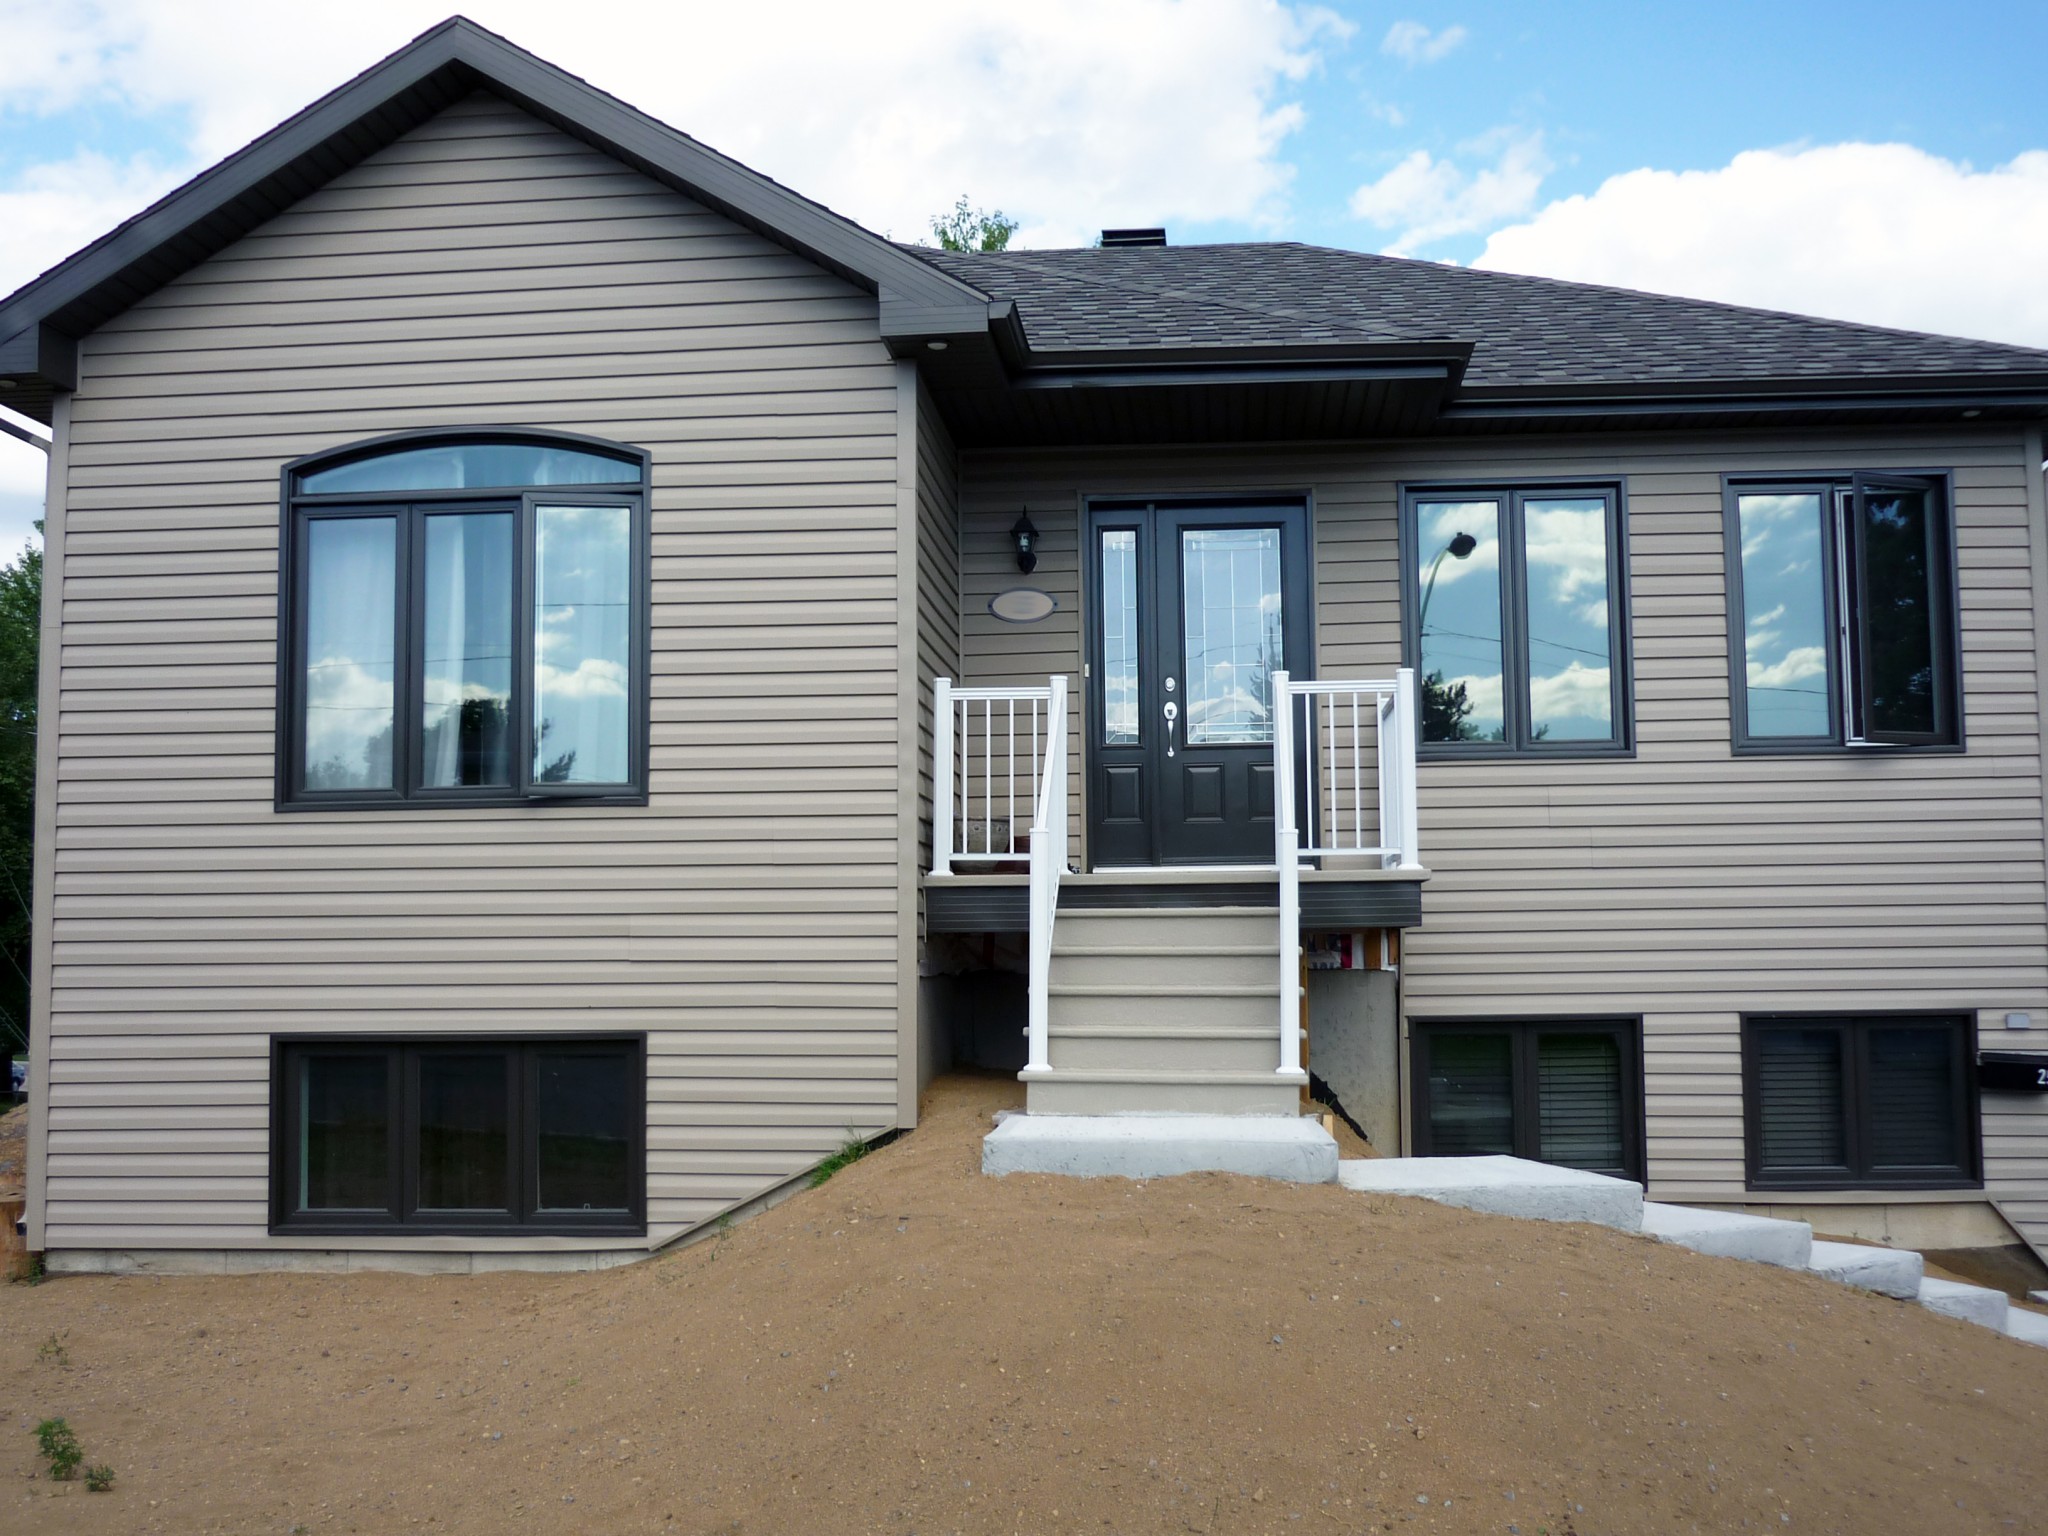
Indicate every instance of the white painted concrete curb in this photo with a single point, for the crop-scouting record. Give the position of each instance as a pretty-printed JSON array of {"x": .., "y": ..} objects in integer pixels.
[
  {"x": 2027, "y": 1327},
  {"x": 1502, "y": 1186},
  {"x": 1160, "y": 1146},
  {"x": 1888, "y": 1271},
  {"x": 1971, "y": 1303},
  {"x": 1731, "y": 1234}
]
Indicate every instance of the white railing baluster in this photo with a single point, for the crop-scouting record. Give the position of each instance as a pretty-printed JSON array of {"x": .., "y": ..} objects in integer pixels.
[
  {"x": 942, "y": 776},
  {"x": 1048, "y": 864}
]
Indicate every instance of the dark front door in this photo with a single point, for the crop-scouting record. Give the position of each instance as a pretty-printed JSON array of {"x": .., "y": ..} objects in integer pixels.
[{"x": 1196, "y": 605}]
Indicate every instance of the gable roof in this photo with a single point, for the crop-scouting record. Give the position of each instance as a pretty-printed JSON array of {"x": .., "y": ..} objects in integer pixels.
[
  {"x": 1526, "y": 333},
  {"x": 41, "y": 322},
  {"x": 1164, "y": 344}
]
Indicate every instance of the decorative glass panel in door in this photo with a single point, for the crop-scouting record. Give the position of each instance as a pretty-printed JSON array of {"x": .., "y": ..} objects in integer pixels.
[{"x": 1231, "y": 611}]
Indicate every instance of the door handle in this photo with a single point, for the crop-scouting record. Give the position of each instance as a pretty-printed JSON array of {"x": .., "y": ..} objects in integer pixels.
[{"x": 1172, "y": 713}]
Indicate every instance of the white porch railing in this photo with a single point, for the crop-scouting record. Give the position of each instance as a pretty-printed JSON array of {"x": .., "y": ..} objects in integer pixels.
[
  {"x": 1048, "y": 863},
  {"x": 976, "y": 737},
  {"x": 987, "y": 744},
  {"x": 1342, "y": 733}
]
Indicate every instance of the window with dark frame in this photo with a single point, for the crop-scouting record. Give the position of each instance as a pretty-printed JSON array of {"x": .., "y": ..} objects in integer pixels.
[
  {"x": 1517, "y": 604},
  {"x": 1884, "y": 1102},
  {"x": 1566, "y": 1091},
  {"x": 465, "y": 622},
  {"x": 1842, "y": 614},
  {"x": 537, "y": 1135}
]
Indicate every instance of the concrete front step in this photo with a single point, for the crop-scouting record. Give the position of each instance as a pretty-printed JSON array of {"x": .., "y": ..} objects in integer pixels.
[
  {"x": 1162, "y": 1002},
  {"x": 1175, "y": 928},
  {"x": 1190, "y": 967},
  {"x": 1161, "y": 1090},
  {"x": 1971, "y": 1303},
  {"x": 1730, "y": 1234},
  {"x": 1151, "y": 1047},
  {"x": 1502, "y": 1186},
  {"x": 1888, "y": 1271},
  {"x": 1160, "y": 1146}
]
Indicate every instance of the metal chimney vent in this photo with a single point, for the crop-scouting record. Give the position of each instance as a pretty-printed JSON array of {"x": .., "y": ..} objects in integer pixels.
[{"x": 1121, "y": 237}]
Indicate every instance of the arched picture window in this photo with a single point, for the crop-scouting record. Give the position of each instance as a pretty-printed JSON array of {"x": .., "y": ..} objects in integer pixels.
[{"x": 465, "y": 622}]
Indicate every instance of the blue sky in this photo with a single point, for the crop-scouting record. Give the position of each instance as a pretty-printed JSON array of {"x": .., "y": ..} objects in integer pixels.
[{"x": 1873, "y": 161}]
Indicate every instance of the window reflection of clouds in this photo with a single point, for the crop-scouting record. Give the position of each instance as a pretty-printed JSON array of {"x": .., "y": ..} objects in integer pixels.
[
  {"x": 582, "y": 644},
  {"x": 1570, "y": 661},
  {"x": 350, "y": 669},
  {"x": 1785, "y": 655}
]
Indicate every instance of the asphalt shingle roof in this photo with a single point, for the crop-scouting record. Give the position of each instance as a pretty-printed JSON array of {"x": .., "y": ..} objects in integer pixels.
[{"x": 1529, "y": 332}]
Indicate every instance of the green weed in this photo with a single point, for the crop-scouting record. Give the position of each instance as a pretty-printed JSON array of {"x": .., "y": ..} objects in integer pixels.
[
  {"x": 58, "y": 1447},
  {"x": 852, "y": 1151}
]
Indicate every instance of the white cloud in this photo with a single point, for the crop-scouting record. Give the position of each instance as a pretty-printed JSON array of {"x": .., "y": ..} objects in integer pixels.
[
  {"x": 55, "y": 208},
  {"x": 1424, "y": 199},
  {"x": 1797, "y": 665},
  {"x": 1579, "y": 692},
  {"x": 1413, "y": 43},
  {"x": 1886, "y": 234},
  {"x": 1067, "y": 114}
]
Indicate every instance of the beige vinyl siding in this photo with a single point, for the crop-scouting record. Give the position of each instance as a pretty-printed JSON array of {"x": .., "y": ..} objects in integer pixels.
[
  {"x": 485, "y": 270},
  {"x": 1684, "y": 884},
  {"x": 938, "y": 592}
]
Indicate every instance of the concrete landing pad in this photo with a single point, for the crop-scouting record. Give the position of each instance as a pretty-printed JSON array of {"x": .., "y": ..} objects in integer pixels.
[{"x": 1159, "y": 1146}]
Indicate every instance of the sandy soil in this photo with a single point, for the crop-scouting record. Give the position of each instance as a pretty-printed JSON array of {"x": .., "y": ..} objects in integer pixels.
[{"x": 915, "y": 1348}]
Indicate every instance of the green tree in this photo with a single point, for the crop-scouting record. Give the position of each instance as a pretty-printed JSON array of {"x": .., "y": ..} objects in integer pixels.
[
  {"x": 973, "y": 229},
  {"x": 21, "y": 612}
]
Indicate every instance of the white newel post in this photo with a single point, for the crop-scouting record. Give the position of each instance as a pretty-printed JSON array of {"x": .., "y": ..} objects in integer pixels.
[
  {"x": 1410, "y": 729},
  {"x": 942, "y": 776},
  {"x": 1286, "y": 854}
]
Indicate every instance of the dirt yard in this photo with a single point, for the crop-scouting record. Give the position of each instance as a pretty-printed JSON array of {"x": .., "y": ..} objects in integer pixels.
[{"x": 915, "y": 1348}]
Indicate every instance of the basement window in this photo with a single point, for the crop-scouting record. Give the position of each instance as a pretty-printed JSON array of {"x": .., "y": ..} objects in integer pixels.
[
  {"x": 1842, "y": 614},
  {"x": 1565, "y": 1091},
  {"x": 457, "y": 1135},
  {"x": 1860, "y": 1103},
  {"x": 465, "y": 623}
]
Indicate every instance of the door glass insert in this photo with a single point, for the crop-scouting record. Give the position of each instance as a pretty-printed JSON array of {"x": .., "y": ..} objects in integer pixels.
[
  {"x": 1471, "y": 1094},
  {"x": 1120, "y": 637},
  {"x": 1458, "y": 573},
  {"x": 1231, "y": 629},
  {"x": 1571, "y": 690}
]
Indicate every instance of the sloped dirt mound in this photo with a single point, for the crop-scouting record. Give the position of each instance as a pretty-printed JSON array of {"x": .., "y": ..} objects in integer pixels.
[{"x": 916, "y": 1348}]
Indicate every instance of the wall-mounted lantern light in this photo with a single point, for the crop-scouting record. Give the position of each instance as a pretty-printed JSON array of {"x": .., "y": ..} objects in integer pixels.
[{"x": 1025, "y": 537}]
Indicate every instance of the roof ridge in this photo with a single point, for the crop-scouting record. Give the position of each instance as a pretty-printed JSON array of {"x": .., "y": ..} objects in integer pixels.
[
  {"x": 1178, "y": 292},
  {"x": 1722, "y": 306}
]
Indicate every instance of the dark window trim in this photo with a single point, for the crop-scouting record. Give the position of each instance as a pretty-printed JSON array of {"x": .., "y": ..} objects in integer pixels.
[
  {"x": 1831, "y": 484},
  {"x": 402, "y": 1110},
  {"x": 1514, "y": 621},
  {"x": 409, "y": 508},
  {"x": 1634, "y": 1114},
  {"x": 1968, "y": 1101}
]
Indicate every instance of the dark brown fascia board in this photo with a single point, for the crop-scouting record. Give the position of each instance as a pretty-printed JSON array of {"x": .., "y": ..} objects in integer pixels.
[
  {"x": 1767, "y": 400},
  {"x": 119, "y": 268},
  {"x": 41, "y": 353},
  {"x": 1887, "y": 391}
]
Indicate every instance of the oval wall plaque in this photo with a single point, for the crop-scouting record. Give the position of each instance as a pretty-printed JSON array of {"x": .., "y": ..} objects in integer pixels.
[{"x": 1023, "y": 605}]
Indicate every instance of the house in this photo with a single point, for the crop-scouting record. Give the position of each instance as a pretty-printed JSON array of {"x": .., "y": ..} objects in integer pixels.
[{"x": 575, "y": 678}]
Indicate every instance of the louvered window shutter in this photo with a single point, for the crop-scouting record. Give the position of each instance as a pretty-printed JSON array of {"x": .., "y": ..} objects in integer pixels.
[
  {"x": 1800, "y": 1122},
  {"x": 1578, "y": 1099}
]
